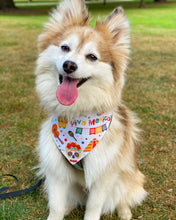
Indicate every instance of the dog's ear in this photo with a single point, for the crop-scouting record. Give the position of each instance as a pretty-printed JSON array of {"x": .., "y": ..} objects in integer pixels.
[
  {"x": 115, "y": 30},
  {"x": 118, "y": 27},
  {"x": 67, "y": 13}
]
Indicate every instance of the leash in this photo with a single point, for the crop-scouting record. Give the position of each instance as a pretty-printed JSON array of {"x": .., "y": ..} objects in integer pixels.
[{"x": 18, "y": 192}]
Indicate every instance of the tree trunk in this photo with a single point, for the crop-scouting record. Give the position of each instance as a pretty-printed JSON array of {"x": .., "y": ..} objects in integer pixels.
[
  {"x": 142, "y": 4},
  {"x": 104, "y": 2},
  {"x": 6, "y": 4}
]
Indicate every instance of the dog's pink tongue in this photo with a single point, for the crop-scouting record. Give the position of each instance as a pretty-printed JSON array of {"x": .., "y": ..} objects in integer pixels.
[{"x": 67, "y": 92}]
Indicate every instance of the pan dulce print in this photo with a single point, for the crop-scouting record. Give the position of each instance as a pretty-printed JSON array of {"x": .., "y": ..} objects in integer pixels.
[{"x": 76, "y": 138}]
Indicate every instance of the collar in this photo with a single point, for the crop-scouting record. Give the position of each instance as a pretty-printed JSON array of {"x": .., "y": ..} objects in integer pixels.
[{"x": 78, "y": 137}]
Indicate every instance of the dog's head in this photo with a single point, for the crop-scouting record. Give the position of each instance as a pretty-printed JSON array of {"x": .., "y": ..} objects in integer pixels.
[{"x": 81, "y": 69}]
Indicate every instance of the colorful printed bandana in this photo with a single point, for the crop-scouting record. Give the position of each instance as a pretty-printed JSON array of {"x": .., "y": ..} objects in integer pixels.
[{"x": 76, "y": 138}]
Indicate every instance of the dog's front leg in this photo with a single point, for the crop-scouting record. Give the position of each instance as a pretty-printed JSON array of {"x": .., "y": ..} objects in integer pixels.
[
  {"x": 95, "y": 202},
  {"x": 57, "y": 194}
]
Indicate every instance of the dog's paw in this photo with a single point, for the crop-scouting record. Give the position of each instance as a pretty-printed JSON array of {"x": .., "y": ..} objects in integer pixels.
[
  {"x": 51, "y": 218},
  {"x": 69, "y": 209},
  {"x": 54, "y": 217},
  {"x": 124, "y": 213}
]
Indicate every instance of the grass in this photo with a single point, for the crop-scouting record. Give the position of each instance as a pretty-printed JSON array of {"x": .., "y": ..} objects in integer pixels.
[{"x": 150, "y": 91}]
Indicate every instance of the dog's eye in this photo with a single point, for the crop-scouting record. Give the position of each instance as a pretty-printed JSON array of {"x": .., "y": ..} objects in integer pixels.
[
  {"x": 65, "y": 48},
  {"x": 91, "y": 57}
]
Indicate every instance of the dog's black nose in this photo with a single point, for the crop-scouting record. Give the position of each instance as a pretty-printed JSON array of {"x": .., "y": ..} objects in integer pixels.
[{"x": 69, "y": 66}]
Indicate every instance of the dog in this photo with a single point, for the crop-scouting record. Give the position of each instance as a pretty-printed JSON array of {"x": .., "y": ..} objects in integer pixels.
[{"x": 87, "y": 146}]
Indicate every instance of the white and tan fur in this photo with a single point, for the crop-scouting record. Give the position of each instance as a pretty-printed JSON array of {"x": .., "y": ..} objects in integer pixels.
[{"x": 111, "y": 179}]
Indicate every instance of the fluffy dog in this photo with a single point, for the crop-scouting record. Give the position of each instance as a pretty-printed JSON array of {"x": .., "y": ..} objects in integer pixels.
[{"x": 80, "y": 74}]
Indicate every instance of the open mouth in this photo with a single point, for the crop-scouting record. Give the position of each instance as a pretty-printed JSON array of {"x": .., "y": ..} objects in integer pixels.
[
  {"x": 80, "y": 82},
  {"x": 67, "y": 91}
]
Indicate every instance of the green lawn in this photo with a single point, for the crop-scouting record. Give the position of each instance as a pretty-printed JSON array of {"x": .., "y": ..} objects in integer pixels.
[{"x": 150, "y": 91}]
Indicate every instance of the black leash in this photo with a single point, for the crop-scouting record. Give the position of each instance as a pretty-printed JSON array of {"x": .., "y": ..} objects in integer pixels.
[{"x": 18, "y": 192}]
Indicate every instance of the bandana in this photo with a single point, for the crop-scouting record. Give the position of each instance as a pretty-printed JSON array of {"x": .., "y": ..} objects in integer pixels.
[{"x": 78, "y": 137}]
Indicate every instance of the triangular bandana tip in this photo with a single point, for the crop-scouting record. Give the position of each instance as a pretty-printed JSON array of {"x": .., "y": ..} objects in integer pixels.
[{"x": 76, "y": 138}]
